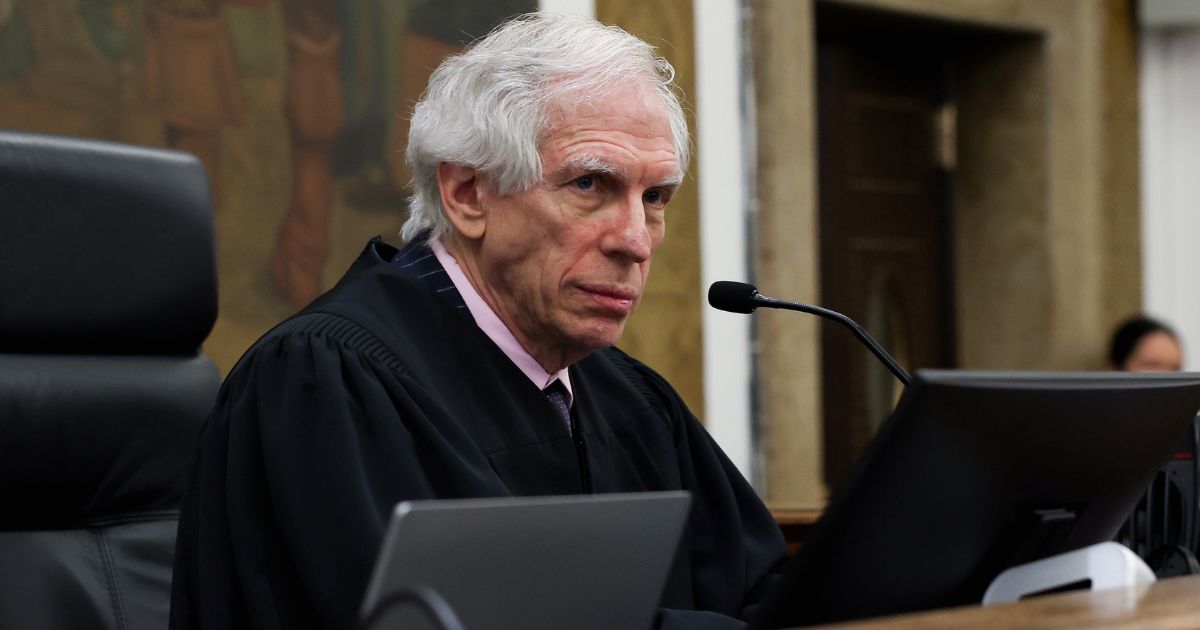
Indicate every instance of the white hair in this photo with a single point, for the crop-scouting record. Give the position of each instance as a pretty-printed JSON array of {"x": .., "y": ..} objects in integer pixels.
[{"x": 487, "y": 108}]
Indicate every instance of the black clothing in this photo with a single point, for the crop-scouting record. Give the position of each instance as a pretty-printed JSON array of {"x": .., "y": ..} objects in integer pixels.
[{"x": 383, "y": 390}]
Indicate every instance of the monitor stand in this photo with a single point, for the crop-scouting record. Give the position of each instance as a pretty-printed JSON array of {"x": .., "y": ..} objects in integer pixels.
[
  {"x": 1098, "y": 567},
  {"x": 1030, "y": 533}
]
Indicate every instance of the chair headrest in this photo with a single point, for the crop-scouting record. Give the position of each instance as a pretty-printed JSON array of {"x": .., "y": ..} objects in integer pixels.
[
  {"x": 85, "y": 439},
  {"x": 104, "y": 248}
]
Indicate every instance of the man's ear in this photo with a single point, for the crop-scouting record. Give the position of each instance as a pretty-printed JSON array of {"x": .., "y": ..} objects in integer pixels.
[{"x": 459, "y": 186}]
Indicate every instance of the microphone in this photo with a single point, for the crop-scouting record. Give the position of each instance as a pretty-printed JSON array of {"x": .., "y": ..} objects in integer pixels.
[{"x": 739, "y": 297}]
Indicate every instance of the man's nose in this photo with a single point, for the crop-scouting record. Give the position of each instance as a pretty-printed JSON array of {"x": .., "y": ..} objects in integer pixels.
[{"x": 630, "y": 236}]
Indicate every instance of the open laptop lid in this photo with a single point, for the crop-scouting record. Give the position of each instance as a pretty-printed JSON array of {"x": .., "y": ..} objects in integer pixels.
[{"x": 580, "y": 562}]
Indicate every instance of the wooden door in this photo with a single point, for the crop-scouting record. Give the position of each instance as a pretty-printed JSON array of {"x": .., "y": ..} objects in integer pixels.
[{"x": 884, "y": 225}]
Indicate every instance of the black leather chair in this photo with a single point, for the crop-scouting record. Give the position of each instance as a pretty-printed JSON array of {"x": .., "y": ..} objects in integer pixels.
[{"x": 107, "y": 289}]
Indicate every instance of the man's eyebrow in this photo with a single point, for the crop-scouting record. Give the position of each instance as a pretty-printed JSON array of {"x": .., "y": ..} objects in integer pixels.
[
  {"x": 673, "y": 181},
  {"x": 591, "y": 163}
]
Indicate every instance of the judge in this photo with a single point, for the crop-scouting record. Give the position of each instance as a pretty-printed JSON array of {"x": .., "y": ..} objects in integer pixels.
[{"x": 478, "y": 360}]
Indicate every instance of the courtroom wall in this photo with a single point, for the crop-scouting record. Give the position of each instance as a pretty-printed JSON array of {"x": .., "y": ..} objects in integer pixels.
[{"x": 1046, "y": 227}]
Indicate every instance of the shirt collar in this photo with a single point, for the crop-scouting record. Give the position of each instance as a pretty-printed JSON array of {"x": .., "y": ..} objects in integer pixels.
[{"x": 489, "y": 322}]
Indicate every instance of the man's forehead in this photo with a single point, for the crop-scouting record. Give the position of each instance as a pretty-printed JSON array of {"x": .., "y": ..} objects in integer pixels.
[
  {"x": 635, "y": 104},
  {"x": 624, "y": 132}
]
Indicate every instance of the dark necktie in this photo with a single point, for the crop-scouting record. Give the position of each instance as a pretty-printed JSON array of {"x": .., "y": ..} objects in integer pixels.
[{"x": 556, "y": 393}]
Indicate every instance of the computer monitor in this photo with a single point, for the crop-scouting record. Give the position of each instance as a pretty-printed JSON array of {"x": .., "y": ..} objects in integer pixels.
[{"x": 975, "y": 472}]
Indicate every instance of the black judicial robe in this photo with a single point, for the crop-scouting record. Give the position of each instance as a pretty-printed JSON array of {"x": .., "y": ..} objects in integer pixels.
[{"x": 382, "y": 390}]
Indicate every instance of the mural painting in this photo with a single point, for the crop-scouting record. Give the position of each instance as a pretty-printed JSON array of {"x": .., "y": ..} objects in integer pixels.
[{"x": 297, "y": 108}]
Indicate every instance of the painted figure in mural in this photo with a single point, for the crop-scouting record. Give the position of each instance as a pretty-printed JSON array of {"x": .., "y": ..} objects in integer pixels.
[
  {"x": 16, "y": 43},
  {"x": 478, "y": 360},
  {"x": 313, "y": 106},
  {"x": 1144, "y": 344},
  {"x": 190, "y": 73}
]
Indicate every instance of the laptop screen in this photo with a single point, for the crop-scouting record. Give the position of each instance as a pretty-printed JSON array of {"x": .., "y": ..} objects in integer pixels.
[{"x": 580, "y": 562}]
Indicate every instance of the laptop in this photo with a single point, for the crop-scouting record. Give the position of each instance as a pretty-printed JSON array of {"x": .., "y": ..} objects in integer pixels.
[{"x": 588, "y": 562}]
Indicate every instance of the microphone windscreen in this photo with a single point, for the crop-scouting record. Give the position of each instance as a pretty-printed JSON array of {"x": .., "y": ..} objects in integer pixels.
[{"x": 735, "y": 297}]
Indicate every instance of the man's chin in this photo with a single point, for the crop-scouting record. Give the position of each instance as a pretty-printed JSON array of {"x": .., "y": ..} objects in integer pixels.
[{"x": 598, "y": 337}]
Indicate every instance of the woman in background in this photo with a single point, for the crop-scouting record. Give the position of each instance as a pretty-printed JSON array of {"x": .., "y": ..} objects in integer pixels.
[{"x": 1143, "y": 344}]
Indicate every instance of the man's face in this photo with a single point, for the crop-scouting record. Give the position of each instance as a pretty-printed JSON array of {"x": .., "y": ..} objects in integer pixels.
[{"x": 564, "y": 263}]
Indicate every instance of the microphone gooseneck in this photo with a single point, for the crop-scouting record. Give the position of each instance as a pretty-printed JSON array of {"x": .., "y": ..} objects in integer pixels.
[{"x": 739, "y": 297}]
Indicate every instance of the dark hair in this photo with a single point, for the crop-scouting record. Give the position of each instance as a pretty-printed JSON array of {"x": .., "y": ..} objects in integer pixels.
[{"x": 1128, "y": 334}]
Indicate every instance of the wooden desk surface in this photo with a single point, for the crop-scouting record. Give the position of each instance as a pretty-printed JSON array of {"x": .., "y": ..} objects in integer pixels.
[
  {"x": 1170, "y": 603},
  {"x": 796, "y": 515},
  {"x": 795, "y": 521}
]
